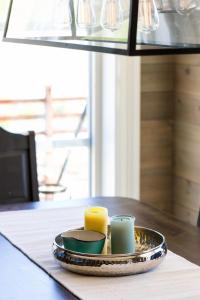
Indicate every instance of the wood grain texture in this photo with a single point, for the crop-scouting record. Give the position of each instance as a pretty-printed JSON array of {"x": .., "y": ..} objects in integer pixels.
[
  {"x": 28, "y": 281},
  {"x": 187, "y": 150},
  {"x": 170, "y": 134},
  {"x": 187, "y": 79},
  {"x": 187, "y": 108},
  {"x": 186, "y": 195},
  {"x": 157, "y": 188},
  {"x": 156, "y": 59},
  {"x": 157, "y": 77},
  {"x": 157, "y": 131},
  {"x": 187, "y": 60},
  {"x": 187, "y": 138},
  {"x": 157, "y": 105}
]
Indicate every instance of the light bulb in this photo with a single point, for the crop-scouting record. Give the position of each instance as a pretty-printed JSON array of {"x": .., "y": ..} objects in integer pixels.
[
  {"x": 86, "y": 17},
  {"x": 185, "y": 7},
  {"x": 111, "y": 14},
  {"x": 126, "y": 7},
  {"x": 148, "y": 19},
  {"x": 63, "y": 17}
]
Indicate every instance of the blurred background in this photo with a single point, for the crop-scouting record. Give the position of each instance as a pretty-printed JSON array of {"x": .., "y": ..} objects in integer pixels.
[{"x": 46, "y": 90}]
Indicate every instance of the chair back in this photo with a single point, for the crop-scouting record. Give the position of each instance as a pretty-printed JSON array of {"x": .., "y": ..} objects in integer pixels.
[{"x": 18, "y": 169}]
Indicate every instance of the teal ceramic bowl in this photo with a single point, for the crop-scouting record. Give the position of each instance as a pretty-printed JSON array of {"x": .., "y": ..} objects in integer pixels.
[{"x": 83, "y": 241}]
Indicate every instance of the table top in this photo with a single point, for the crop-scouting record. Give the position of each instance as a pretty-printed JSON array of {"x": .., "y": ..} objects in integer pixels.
[{"x": 30, "y": 282}]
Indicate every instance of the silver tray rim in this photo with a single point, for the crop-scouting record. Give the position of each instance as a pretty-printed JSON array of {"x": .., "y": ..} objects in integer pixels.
[{"x": 103, "y": 256}]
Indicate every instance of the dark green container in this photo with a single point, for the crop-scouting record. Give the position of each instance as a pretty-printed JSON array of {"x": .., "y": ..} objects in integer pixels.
[{"x": 84, "y": 241}]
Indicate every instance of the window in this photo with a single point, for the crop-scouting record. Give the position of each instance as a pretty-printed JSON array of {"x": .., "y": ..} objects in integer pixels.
[{"x": 46, "y": 90}]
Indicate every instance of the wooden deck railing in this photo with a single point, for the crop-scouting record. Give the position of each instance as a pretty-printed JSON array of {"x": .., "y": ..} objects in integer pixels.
[{"x": 49, "y": 114}]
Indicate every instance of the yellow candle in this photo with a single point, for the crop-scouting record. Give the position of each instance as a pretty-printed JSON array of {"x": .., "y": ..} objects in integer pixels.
[{"x": 96, "y": 219}]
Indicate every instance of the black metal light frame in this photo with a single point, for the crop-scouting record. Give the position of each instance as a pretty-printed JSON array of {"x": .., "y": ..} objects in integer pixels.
[{"x": 132, "y": 42}]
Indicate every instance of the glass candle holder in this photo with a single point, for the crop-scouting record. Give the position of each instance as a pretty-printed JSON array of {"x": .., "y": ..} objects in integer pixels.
[{"x": 122, "y": 234}]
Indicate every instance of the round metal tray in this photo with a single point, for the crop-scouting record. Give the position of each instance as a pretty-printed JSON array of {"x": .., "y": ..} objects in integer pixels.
[{"x": 151, "y": 249}]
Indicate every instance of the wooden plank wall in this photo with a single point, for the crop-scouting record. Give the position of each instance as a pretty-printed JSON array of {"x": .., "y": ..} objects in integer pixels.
[
  {"x": 157, "y": 83},
  {"x": 187, "y": 138}
]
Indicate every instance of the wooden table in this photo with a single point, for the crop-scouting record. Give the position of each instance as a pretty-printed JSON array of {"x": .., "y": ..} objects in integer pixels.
[{"x": 21, "y": 279}]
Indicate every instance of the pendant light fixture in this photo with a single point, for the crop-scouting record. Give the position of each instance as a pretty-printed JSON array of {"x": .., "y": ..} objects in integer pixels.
[{"x": 128, "y": 27}]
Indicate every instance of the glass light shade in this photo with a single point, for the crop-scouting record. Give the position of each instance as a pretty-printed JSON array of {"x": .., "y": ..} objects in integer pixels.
[
  {"x": 165, "y": 5},
  {"x": 112, "y": 15},
  {"x": 128, "y": 27},
  {"x": 185, "y": 7},
  {"x": 62, "y": 16},
  {"x": 148, "y": 19},
  {"x": 4, "y": 5},
  {"x": 86, "y": 15}
]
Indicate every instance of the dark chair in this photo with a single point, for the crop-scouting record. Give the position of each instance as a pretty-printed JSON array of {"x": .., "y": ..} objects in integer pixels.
[
  {"x": 18, "y": 170},
  {"x": 198, "y": 221}
]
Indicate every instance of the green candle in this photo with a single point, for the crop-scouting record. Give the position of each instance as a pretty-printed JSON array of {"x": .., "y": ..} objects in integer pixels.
[{"x": 122, "y": 234}]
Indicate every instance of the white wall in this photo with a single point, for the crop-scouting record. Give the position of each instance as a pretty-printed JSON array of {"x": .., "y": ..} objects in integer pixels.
[{"x": 117, "y": 96}]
